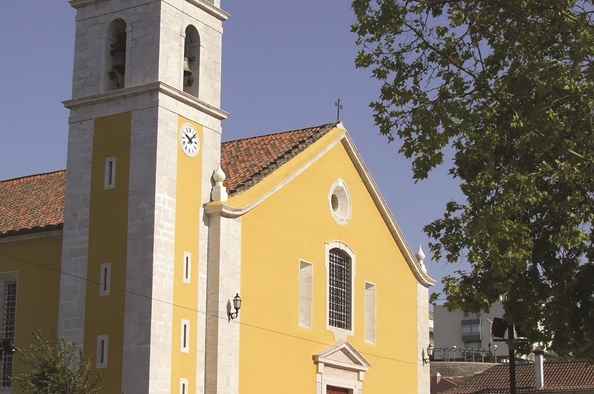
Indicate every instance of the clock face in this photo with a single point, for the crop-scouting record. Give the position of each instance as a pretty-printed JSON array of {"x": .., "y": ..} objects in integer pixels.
[{"x": 188, "y": 138}]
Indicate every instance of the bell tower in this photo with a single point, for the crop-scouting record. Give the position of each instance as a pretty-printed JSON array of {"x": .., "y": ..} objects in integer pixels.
[{"x": 144, "y": 141}]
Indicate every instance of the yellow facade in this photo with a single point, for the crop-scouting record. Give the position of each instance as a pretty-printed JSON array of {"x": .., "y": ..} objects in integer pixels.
[
  {"x": 108, "y": 227},
  {"x": 286, "y": 223},
  {"x": 36, "y": 263},
  {"x": 151, "y": 248},
  {"x": 185, "y": 290},
  {"x": 293, "y": 225}
]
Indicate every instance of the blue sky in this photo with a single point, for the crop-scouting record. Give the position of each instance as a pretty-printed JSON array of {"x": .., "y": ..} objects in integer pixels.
[{"x": 285, "y": 63}]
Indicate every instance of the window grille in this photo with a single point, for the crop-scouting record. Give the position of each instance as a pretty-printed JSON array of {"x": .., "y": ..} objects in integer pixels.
[
  {"x": 340, "y": 289},
  {"x": 8, "y": 322}
]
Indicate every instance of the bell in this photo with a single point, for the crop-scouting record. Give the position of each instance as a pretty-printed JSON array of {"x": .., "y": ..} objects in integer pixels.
[
  {"x": 187, "y": 71},
  {"x": 119, "y": 62}
]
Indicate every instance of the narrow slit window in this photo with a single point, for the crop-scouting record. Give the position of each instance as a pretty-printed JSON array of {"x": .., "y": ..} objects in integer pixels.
[
  {"x": 370, "y": 311},
  {"x": 305, "y": 293},
  {"x": 110, "y": 172},
  {"x": 102, "y": 350},
  {"x": 185, "y": 336},
  {"x": 183, "y": 386},
  {"x": 105, "y": 281},
  {"x": 187, "y": 267}
]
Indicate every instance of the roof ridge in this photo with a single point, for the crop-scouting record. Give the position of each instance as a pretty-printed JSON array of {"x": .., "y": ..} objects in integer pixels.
[
  {"x": 23, "y": 177},
  {"x": 321, "y": 127},
  {"x": 259, "y": 171}
]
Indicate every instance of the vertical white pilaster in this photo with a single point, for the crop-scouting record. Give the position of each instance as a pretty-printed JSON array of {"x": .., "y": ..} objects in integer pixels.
[
  {"x": 424, "y": 381},
  {"x": 75, "y": 241},
  {"x": 222, "y": 335}
]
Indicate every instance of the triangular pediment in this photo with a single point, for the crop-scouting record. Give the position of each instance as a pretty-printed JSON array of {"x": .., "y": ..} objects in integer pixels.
[{"x": 343, "y": 356}]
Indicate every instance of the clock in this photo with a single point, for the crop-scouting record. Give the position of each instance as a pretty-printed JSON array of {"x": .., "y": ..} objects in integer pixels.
[{"x": 188, "y": 139}]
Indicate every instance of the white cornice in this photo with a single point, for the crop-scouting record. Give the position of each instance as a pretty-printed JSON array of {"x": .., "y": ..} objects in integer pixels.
[
  {"x": 210, "y": 8},
  {"x": 82, "y": 3},
  {"x": 30, "y": 236},
  {"x": 202, "y": 4},
  {"x": 154, "y": 87},
  {"x": 232, "y": 212},
  {"x": 384, "y": 210}
]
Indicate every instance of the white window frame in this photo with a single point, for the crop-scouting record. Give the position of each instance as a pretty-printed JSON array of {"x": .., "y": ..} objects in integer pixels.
[
  {"x": 187, "y": 268},
  {"x": 340, "y": 333},
  {"x": 184, "y": 343},
  {"x": 105, "y": 279},
  {"x": 339, "y": 202},
  {"x": 346, "y": 370},
  {"x": 109, "y": 180},
  {"x": 102, "y": 351},
  {"x": 305, "y": 312},
  {"x": 183, "y": 386}
]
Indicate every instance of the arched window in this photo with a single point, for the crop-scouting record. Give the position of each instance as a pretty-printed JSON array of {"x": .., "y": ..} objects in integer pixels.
[
  {"x": 191, "y": 61},
  {"x": 115, "y": 55},
  {"x": 339, "y": 289},
  {"x": 340, "y": 275}
]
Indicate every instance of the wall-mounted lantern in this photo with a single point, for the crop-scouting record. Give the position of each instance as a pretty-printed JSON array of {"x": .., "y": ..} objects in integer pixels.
[{"x": 236, "y": 306}]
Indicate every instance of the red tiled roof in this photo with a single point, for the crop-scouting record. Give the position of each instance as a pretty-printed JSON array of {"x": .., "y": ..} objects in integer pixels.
[
  {"x": 36, "y": 202},
  {"x": 247, "y": 161},
  {"x": 569, "y": 376},
  {"x": 32, "y": 203}
]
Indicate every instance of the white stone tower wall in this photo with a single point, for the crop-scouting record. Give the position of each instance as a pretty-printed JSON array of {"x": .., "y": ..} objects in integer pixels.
[
  {"x": 156, "y": 30},
  {"x": 153, "y": 93},
  {"x": 75, "y": 239},
  {"x": 176, "y": 16}
]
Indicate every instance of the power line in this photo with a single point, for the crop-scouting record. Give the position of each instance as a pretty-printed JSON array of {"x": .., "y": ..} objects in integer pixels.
[{"x": 38, "y": 265}]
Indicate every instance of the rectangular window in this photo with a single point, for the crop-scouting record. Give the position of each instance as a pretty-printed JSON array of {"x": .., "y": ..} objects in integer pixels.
[
  {"x": 339, "y": 288},
  {"x": 471, "y": 330},
  {"x": 305, "y": 293},
  {"x": 102, "y": 350},
  {"x": 187, "y": 271},
  {"x": 185, "y": 336},
  {"x": 183, "y": 386},
  {"x": 370, "y": 309},
  {"x": 110, "y": 172},
  {"x": 105, "y": 281},
  {"x": 8, "y": 323}
]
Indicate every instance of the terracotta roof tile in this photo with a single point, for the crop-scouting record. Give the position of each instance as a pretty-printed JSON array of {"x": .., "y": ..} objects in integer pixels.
[
  {"x": 36, "y": 202},
  {"x": 571, "y": 376},
  {"x": 32, "y": 203},
  {"x": 249, "y": 160}
]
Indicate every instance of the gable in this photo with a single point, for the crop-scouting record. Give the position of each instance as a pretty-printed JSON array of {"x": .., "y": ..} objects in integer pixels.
[
  {"x": 291, "y": 168},
  {"x": 342, "y": 356}
]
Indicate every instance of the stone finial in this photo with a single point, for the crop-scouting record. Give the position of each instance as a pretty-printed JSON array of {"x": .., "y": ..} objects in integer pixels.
[
  {"x": 219, "y": 192},
  {"x": 420, "y": 258},
  {"x": 219, "y": 176}
]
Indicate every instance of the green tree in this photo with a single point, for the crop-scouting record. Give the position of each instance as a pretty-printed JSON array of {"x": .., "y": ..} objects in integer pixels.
[
  {"x": 56, "y": 367},
  {"x": 507, "y": 89}
]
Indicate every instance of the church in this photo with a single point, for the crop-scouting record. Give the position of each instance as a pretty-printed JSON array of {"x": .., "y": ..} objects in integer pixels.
[{"x": 184, "y": 264}]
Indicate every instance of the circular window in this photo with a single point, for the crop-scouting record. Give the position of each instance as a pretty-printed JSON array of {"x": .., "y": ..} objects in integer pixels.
[{"x": 340, "y": 202}]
